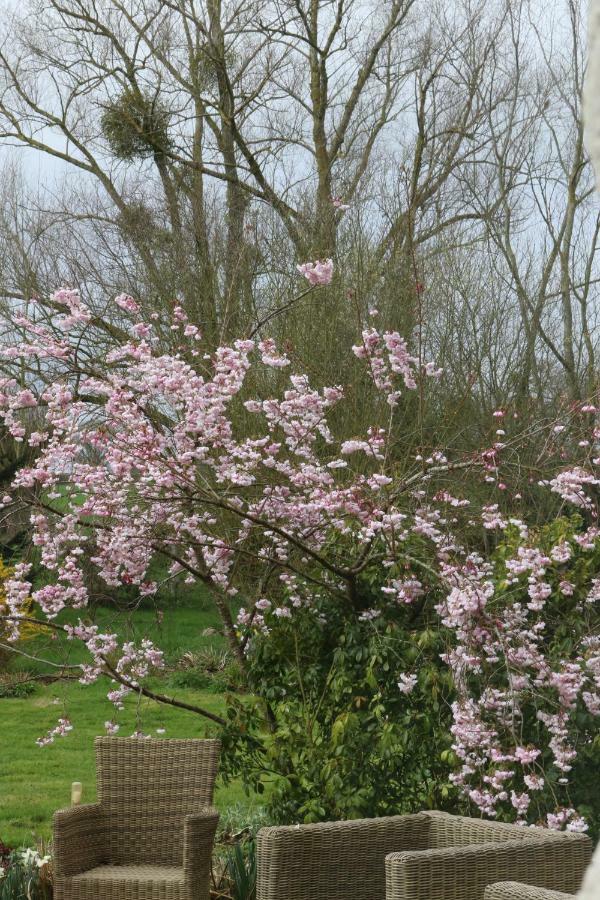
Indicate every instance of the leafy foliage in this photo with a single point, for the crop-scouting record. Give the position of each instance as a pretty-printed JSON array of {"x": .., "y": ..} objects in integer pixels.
[
  {"x": 348, "y": 742},
  {"x": 241, "y": 870}
]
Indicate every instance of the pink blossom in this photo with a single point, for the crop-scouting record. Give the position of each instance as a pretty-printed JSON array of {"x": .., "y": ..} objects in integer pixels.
[
  {"x": 78, "y": 312},
  {"x": 192, "y": 331},
  {"x": 282, "y": 612},
  {"x": 61, "y": 729},
  {"x": 594, "y": 592},
  {"x": 520, "y": 802},
  {"x": 270, "y": 356},
  {"x": 566, "y": 817},
  {"x": 319, "y": 272},
  {"x": 561, "y": 552},
  {"x": 406, "y": 591},
  {"x": 141, "y": 330},
  {"x": 570, "y": 485},
  {"x": 534, "y": 782},
  {"x": 526, "y": 755},
  {"x": 127, "y": 303},
  {"x": 492, "y": 518},
  {"x": 432, "y": 371},
  {"x": 146, "y": 455},
  {"x": 25, "y": 398}
]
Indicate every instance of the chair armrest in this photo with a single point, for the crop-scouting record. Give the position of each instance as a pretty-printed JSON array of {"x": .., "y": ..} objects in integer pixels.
[
  {"x": 514, "y": 890},
  {"x": 333, "y": 860},
  {"x": 556, "y": 860},
  {"x": 198, "y": 838},
  {"x": 79, "y": 839}
]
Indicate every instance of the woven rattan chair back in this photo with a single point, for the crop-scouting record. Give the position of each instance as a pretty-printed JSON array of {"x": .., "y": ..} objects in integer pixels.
[
  {"x": 460, "y": 831},
  {"x": 334, "y": 860},
  {"x": 146, "y": 787}
]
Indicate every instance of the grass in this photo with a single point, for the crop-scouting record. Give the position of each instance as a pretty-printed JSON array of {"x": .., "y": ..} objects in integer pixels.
[{"x": 34, "y": 781}]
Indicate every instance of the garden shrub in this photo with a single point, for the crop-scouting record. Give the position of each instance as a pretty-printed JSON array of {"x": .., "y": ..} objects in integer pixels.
[
  {"x": 15, "y": 687},
  {"x": 362, "y": 708}
]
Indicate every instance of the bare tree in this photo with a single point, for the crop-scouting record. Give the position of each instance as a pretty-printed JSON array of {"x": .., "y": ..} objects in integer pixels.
[
  {"x": 546, "y": 232},
  {"x": 207, "y": 146}
]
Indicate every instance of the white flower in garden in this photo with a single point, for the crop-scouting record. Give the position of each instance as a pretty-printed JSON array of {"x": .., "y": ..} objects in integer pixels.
[
  {"x": 31, "y": 857},
  {"x": 407, "y": 683}
]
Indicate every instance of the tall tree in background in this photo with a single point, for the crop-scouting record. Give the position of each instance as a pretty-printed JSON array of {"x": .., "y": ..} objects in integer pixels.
[
  {"x": 222, "y": 136},
  {"x": 434, "y": 150}
]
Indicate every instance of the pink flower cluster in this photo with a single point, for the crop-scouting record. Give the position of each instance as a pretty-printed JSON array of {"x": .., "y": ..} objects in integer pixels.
[
  {"x": 153, "y": 464},
  {"x": 61, "y": 729},
  {"x": 388, "y": 356},
  {"x": 319, "y": 272},
  {"x": 501, "y": 626},
  {"x": 147, "y": 456}
]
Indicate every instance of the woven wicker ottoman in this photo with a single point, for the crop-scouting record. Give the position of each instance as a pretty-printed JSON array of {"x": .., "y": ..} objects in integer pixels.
[{"x": 427, "y": 856}]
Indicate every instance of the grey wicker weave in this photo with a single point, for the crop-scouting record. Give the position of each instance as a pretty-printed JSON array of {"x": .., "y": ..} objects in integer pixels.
[
  {"x": 514, "y": 890},
  {"x": 150, "y": 835},
  {"x": 427, "y": 856}
]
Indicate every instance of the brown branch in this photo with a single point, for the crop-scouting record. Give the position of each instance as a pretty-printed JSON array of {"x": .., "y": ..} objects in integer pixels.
[
  {"x": 110, "y": 672},
  {"x": 162, "y": 698}
]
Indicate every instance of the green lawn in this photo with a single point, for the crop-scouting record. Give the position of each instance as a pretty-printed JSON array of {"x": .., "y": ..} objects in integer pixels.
[{"x": 34, "y": 781}]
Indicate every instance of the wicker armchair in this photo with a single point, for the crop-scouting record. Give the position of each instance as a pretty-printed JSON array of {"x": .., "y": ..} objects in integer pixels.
[
  {"x": 150, "y": 835},
  {"x": 427, "y": 856},
  {"x": 513, "y": 890}
]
